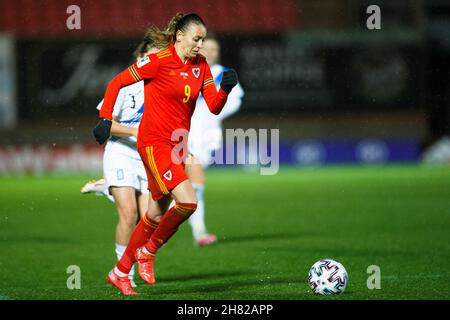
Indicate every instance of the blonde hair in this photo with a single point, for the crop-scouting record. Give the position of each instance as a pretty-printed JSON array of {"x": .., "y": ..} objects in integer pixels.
[{"x": 162, "y": 39}]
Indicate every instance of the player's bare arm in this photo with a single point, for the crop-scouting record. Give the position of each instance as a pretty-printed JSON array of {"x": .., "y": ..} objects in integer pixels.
[{"x": 122, "y": 131}]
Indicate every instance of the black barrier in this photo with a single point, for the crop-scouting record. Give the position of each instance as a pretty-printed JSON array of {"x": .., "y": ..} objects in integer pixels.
[
  {"x": 67, "y": 78},
  {"x": 278, "y": 73},
  {"x": 316, "y": 73}
]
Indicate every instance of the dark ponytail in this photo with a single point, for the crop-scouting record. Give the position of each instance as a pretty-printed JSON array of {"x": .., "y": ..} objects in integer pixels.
[
  {"x": 144, "y": 47},
  {"x": 161, "y": 39}
]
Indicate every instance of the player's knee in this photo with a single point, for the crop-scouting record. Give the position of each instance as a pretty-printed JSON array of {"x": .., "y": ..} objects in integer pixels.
[
  {"x": 128, "y": 215},
  {"x": 186, "y": 208},
  {"x": 154, "y": 215},
  {"x": 157, "y": 219}
]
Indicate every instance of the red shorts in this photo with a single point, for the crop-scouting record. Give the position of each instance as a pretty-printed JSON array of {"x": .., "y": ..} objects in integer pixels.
[{"x": 163, "y": 174}]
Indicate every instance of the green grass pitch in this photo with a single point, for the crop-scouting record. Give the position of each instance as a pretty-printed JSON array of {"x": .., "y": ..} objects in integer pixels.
[{"x": 271, "y": 230}]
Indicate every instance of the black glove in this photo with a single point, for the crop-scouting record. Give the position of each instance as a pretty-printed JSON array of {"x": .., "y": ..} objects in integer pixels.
[
  {"x": 102, "y": 130},
  {"x": 229, "y": 80}
]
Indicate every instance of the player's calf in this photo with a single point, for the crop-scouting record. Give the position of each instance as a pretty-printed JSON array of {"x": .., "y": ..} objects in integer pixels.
[{"x": 168, "y": 225}]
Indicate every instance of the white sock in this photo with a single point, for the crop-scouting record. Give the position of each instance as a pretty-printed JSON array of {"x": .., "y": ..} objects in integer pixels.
[
  {"x": 197, "y": 219},
  {"x": 120, "y": 249},
  {"x": 144, "y": 250},
  {"x": 119, "y": 273}
]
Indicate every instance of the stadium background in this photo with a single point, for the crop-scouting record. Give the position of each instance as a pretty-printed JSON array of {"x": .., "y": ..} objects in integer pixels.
[{"x": 338, "y": 92}]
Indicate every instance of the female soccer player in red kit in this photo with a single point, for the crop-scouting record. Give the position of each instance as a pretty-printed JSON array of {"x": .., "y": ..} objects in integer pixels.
[{"x": 173, "y": 79}]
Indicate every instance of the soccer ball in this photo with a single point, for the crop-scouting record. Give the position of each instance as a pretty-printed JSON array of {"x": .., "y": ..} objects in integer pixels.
[{"x": 327, "y": 277}]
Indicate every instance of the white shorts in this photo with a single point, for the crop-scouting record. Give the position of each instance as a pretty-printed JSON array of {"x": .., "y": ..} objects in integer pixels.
[
  {"x": 204, "y": 144},
  {"x": 120, "y": 170}
]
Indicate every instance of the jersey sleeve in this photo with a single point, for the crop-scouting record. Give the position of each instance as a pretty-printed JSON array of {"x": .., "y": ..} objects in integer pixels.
[
  {"x": 118, "y": 105},
  {"x": 145, "y": 69},
  {"x": 215, "y": 100}
]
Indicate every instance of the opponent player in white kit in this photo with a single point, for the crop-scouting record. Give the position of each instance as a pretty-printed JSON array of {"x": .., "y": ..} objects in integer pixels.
[{"x": 204, "y": 138}]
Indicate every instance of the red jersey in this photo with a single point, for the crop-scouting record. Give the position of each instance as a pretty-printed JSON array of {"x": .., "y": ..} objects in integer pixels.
[{"x": 171, "y": 90}]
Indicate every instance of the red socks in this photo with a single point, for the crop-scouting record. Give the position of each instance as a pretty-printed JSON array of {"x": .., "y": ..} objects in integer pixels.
[
  {"x": 139, "y": 237},
  {"x": 154, "y": 235},
  {"x": 169, "y": 224}
]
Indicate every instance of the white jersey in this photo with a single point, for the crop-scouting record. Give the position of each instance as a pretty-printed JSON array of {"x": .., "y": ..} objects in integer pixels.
[
  {"x": 128, "y": 111},
  {"x": 205, "y": 134}
]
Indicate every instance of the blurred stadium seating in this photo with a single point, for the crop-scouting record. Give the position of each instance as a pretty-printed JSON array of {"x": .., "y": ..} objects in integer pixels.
[
  {"x": 310, "y": 68},
  {"x": 112, "y": 18}
]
